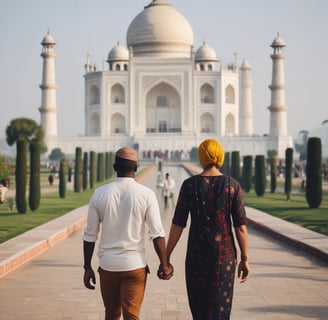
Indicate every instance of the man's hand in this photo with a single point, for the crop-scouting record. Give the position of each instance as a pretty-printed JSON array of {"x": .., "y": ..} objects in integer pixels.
[
  {"x": 89, "y": 276},
  {"x": 165, "y": 273}
]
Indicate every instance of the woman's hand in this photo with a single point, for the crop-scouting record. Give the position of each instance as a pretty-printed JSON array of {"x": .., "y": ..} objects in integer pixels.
[{"x": 243, "y": 271}]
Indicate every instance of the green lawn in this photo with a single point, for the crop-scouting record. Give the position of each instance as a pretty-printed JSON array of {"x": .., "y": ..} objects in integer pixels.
[
  {"x": 296, "y": 210},
  {"x": 51, "y": 207}
]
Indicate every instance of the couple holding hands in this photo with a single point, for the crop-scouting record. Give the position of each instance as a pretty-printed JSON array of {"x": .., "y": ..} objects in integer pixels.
[{"x": 123, "y": 207}]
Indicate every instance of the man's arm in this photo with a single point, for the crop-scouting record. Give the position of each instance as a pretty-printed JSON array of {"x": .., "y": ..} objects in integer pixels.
[
  {"x": 165, "y": 270},
  {"x": 89, "y": 275}
]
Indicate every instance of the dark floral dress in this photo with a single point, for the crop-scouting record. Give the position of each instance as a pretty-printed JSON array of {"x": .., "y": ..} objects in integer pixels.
[{"x": 215, "y": 205}]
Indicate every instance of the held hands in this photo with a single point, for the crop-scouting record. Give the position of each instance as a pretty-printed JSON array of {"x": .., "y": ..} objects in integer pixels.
[
  {"x": 89, "y": 276},
  {"x": 165, "y": 273},
  {"x": 243, "y": 271}
]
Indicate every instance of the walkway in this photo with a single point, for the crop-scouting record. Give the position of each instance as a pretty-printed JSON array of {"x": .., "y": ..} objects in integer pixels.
[{"x": 286, "y": 283}]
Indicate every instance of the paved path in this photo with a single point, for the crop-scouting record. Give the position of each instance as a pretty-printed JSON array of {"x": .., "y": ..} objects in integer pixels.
[{"x": 286, "y": 283}]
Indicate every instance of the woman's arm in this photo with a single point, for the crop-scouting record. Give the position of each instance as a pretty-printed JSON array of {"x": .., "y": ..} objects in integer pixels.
[
  {"x": 175, "y": 234},
  {"x": 242, "y": 238}
]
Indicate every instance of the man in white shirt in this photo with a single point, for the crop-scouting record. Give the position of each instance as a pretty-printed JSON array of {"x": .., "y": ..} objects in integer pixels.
[{"x": 123, "y": 208}]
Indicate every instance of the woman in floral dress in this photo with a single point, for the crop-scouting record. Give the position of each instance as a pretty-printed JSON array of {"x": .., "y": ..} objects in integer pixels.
[{"x": 214, "y": 202}]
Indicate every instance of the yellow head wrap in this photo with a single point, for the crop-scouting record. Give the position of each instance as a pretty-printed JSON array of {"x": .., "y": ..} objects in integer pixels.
[{"x": 211, "y": 152}]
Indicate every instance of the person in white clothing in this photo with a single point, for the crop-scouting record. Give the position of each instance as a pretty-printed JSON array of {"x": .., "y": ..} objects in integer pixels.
[
  {"x": 168, "y": 190},
  {"x": 123, "y": 208}
]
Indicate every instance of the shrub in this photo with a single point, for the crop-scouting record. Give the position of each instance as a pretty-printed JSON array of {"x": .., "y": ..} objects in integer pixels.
[
  {"x": 226, "y": 164},
  {"x": 247, "y": 173},
  {"x": 20, "y": 177},
  {"x": 288, "y": 171},
  {"x": 313, "y": 185},
  {"x": 63, "y": 168},
  {"x": 235, "y": 165},
  {"x": 260, "y": 178},
  {"x": 78, "y": 170},
  {"x": 93, "y": 168},
  {"x": 85, "y": 171},
  {"x": 35, "y": 188}
]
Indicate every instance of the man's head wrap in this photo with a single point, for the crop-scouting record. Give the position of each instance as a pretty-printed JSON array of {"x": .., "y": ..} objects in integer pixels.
[
  {"x": 127, "y": 153},
  {"x": 211, "y": 152}
]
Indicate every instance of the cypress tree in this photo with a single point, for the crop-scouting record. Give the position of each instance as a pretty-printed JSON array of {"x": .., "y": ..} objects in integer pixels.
[
  {"x": 226, "y": 164},
  {"x": 35, "y": 188},
  {"x": 247, "y": 173},
  {"x": 194, "y": 154},
  {"x": 78, "y": 170},
  {"x": 62, "y": 178},
  {"x": 235, "y": 165},
  {"x": 85, "y": 171},
  {"x": 20, "y": 176},
  {"x": 70, "y": 173},
  {"x": 100, "y": 167},
  {"x": 260, "y": 178},
  {"x": 288, "y": 172},
  {"x": 313, "y": 185},
  {"x": 111, "y": 163},
  {"x": 272, "y": 155},
  {"x": 93, "y": 168},
  {"x": 107, "y": 164}
]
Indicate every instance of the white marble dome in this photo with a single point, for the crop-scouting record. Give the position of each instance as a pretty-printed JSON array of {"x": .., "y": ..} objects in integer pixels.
[
  {"x": 48, "y": 39},
  {"x": 118, "y": 53},
  {"x": 160, "y": 29},
  {"x": 278, "y": 42},
  {"x": 206, "y": 53}
]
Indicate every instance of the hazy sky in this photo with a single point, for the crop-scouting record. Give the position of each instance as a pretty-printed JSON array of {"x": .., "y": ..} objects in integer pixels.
[{"x": 246, "y": 27}]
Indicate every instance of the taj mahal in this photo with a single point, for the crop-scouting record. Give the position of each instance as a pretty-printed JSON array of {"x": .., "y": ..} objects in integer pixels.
[{"x": 159, "y": 92}]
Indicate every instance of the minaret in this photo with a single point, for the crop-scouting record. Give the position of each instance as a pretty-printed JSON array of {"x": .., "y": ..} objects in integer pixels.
[
  {"x": 246, "y": 101},
  {"x": 48, "y": 87},
  {"x": 278, "y": 109}
]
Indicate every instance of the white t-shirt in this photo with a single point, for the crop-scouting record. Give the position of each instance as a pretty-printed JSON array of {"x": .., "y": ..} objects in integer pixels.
[{"x": 123, "y": 208}]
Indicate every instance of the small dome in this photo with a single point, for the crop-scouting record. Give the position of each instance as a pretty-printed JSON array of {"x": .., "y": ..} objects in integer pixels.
[
  {"x": 160, "y": 29},
  {"x": 48, "y": 39},
  {"x": 206, "y": 53},
  {"x": 118, "y": 53},
  {"x": 278, "y": 42}
]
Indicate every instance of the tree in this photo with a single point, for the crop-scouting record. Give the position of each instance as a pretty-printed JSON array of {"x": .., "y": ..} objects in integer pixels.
[
  {"x": 272, "y": 155},
  {"x": 194, "y": 154},
  {"x": 24, "y": 128},
  {"x": 20, "y": 177},
  {"x": 313, "y": 185},
  {"x": 235, "y": 165},
  {"x": 85, "y": 171},
  {"x": 4, "y": 168},
  {"x": 56, "y": 154},
  {"x": 24, "y": 131},
  {"x": 111, "y": 163},
  {"x": 100, "y": 167},
  {"x": 35, "y": 165},
  {"x": 63, "y": 168},
  {"x": 107, "y": 165},
  {"x": 226, "y": 164},
  {"x": 288, "y": 172},
  {"x": 93, "y": 168},
  {"x": 247, "y": 173},
  {"x": 78, "y": 170},
  {"x": 260, "y": 178}
]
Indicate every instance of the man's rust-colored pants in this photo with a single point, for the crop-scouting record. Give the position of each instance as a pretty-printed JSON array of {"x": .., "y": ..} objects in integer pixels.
[{"x": 123, "y": 291}]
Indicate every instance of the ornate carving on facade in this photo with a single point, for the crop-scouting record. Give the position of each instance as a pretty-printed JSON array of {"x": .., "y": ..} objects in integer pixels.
[{"x": 149, "y": 81}]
